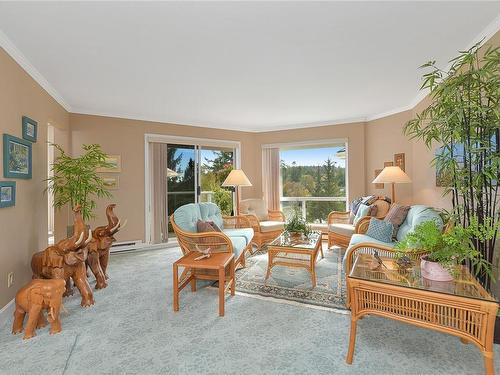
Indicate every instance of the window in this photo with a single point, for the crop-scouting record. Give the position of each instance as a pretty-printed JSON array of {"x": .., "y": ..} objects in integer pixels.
[{"x": 313, "y": 180}]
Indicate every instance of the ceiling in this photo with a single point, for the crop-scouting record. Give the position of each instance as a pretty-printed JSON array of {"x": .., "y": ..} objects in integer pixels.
[{"x": 253, "y": 66}]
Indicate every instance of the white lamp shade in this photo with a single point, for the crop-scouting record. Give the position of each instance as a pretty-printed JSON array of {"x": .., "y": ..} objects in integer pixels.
[
  {"x": 236, "y": 178},
  {"x": 391, "y": 175}
]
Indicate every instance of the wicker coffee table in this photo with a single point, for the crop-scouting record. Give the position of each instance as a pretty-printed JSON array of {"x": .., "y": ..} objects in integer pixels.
[
  {"x": 461, "y": 307},
  {"x": 293, "y": 251}
]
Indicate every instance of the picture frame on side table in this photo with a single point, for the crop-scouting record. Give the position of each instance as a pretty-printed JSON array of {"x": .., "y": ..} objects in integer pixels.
[
  {"x": 17, "y": 157},
  {"x": 30, "y": 129},
  {"x": 115, "y": 161},
  {"x": 7, "y": 194}
]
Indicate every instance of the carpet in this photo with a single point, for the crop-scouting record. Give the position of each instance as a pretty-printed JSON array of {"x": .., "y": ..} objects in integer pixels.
[
  {"x": 294, "y": 284},
  {"x": 132, "y": 330}
]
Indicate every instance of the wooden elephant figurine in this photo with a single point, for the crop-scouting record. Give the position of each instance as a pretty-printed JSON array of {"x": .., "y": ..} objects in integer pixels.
[
  {"x": 33, "y": 299},
  {"x": 66, "y": 260},
  {"x": 98, "y": 248}
]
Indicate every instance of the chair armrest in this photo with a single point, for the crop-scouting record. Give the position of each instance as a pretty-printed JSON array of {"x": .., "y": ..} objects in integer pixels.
[
  {"x": 276, "y": 215},
  {"x": 254, "y": 222},
  {"x": 362, "y": 225},
  {"x": 240, "y": 221},
  {"x": 339, "y": 217}
]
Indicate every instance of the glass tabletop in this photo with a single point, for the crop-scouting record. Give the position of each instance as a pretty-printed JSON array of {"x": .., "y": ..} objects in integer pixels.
[
  {"x": 297, "y": 241},
  {"x": 464, "y": 284}
]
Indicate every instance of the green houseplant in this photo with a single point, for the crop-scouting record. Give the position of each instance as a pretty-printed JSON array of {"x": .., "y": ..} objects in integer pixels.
[
  {"x": 297, "y": 225},
  {"x": 76, "y": 181},
  {"x": 463, "y": 120}
]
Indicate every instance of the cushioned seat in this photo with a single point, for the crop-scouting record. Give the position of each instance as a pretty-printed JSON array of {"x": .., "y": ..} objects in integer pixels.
[
  {"x": 239, "y": 244},
  {"x": 269, "y": 226},
  {"x": 245, "y": 233},
  {"x": 341, "y": 228},
  {"x": 359, "y": 238}
]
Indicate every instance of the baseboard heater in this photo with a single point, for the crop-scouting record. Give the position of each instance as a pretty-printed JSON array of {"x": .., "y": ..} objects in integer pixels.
[{"x": 126, "y": 245}]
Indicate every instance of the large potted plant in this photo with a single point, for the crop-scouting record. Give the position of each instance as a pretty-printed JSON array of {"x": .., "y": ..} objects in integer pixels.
[
  {"x": 297, "y": 226},
  {"x": 463, "y": 120},
  {"x": 445, "y": 250},
  {"x": 75, "y": 181}
]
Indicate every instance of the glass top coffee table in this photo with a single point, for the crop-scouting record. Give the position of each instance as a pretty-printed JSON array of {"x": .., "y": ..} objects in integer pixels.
[
  {"x": 295, "y": 251},
  {"x": 461, "y": 307}
]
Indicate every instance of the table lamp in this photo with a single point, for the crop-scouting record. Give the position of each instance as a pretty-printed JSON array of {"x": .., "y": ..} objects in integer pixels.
[
  {"x": 237, "y": 178},
  {"x": 392, "y": 175}
]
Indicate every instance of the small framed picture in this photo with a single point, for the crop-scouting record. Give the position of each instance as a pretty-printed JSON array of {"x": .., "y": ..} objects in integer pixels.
[
  {"x": 111, "y": 182},
  {"x": 30, "y": 129},
  {"x": 17, "y": 157},
  {"x": 378, "y": 186},
  {"x": 388, "y": 164},
  {"x": 399, "y": 161},
  {"x": 116, "y": 164},
  {"x": 7, "y": 194}
]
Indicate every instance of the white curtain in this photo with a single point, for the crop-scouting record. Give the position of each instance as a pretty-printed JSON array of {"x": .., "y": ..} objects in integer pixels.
[
  {"x": 159, "y": 190},
  {"x": 271, "y": 177}
]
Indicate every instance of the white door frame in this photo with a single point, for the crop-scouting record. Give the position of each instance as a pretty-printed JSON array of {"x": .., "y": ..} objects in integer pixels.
[{"x": 172, "y": 139}]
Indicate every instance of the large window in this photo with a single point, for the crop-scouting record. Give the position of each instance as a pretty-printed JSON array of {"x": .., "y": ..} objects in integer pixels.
[{"x": 313, "y": 180}]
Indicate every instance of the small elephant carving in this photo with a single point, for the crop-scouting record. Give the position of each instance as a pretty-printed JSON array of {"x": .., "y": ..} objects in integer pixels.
[
  {"x": 66, "y": 260},
  {"x": 32, "y": 299},
  {"x": 98, "y": 248}
]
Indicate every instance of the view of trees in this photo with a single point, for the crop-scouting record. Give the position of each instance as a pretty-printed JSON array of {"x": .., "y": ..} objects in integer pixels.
[
  {"x": 213, "y": 173},
  {"x": 327, "y": 180}
]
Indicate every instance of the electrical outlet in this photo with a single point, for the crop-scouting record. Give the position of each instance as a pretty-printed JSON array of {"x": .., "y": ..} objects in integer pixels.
[{"x": 10, "y": 279}]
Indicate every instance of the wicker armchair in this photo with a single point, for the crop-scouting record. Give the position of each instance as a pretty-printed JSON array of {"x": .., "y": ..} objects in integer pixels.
[
  {"x": 340, "y": 229},
  {"x": 267, "y": 224}
]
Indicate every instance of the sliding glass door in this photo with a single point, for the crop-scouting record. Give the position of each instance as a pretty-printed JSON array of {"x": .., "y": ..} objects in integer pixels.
[{"x": 184, "y": 173}]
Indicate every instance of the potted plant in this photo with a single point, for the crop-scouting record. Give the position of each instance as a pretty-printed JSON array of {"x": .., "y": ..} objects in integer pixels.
[
  {"x": 297, "y": 225},
  {"x": 75, "y": 181},
  {"x": 447, "y": 249}
]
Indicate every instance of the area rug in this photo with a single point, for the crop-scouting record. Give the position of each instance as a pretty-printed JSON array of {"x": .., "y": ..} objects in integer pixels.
[{"x": 294, "y": 284}]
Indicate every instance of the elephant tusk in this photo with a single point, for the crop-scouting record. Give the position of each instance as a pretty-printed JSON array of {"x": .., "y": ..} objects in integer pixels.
[
  {"x": 79, "y": 240},
  {"x": 115, "y": 228},
  {"x": 89, "y": 238}
]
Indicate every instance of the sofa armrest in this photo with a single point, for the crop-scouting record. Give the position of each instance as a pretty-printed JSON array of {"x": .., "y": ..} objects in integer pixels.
[
  {"x": 362, "y": 225},
  {"x": 339, "y": 217},
  {"x": 254, "y": 222},
  {"x": 276, "y": 215},
  {"x": 240, "y": 221}
]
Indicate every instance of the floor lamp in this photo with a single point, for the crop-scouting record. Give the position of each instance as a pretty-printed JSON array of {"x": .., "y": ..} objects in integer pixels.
[
  {"x": 392, "y": 175},
  {"x": 237, "y": 178}
]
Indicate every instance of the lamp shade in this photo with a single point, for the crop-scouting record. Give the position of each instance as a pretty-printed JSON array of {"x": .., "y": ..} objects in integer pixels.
[
  {"x": 392, "y": 175},
  {"x": 236, "y": 178}
]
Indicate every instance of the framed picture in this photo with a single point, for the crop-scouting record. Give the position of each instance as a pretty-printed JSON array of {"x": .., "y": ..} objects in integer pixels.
[
  {"x": 115, "y": 161},
  {"x": 388, "y": 164},
  {"x": 111, "y": 182},
  {"x": 378, "y": 186},
  {"x": 7, "y": 194},
  {"x": 17, "y": 157},
  {"x": 30, "y": 129},
  {"x": 399, "y": 161}
]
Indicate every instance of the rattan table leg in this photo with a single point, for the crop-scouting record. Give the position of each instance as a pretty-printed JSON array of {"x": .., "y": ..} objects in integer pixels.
[
  {"x": 176, "y": 287},
  {"x": 352, "y": 341},
  {"x": 489, "y": 366},
  {"x": 233, "y": 279},
  {"x": 222, "y": 276}
]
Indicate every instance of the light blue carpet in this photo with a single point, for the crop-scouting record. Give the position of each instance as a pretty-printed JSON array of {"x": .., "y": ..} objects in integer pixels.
[{"x": 133, "y": 330}]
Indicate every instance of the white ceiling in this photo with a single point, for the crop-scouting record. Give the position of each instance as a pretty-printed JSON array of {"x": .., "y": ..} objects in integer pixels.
[{"x": 240, "y": 65}]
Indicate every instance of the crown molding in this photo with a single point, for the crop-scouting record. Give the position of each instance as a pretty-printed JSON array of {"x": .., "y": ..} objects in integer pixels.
[{"x": 23, "y": 61}]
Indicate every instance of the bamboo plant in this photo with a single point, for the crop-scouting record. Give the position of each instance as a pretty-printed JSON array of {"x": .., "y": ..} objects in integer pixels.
[
  {"x": 75, "y": 181},
  {"x": 463, "y": 118}
]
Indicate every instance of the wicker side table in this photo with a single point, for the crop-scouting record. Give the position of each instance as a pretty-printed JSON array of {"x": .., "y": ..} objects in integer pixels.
[{"x": 461, "y": 307}]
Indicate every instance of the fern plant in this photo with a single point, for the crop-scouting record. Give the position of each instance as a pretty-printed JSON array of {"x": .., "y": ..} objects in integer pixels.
[
  {"x": 297, "y": 224},
  {"x": 75, "y": 181}
]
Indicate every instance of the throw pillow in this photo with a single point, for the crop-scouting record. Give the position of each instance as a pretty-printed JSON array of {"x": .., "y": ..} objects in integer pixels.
[
  {"x": 215, "y": 226},
  {"x": 355, "y": 205},
  {"x": 204, "y": 226},
  {"x": 373, "y": 210},
  {"x": 363, "y": 210},
  {"x": 380, "y": 230},
  {"x": 396, "y": 215}
]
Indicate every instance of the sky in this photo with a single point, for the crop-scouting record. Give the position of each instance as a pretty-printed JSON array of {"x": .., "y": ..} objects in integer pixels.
[{"x": 312, "y": 156}]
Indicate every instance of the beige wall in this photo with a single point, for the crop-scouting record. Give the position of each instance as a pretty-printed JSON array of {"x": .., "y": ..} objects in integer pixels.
[
  {"x": 126, "y": 138},
  {"x": 23, "y": 228}
]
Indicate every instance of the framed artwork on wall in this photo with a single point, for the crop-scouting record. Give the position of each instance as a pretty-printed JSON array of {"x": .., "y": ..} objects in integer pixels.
[
  {"x": 399, "y": 161},
  {"x": 378, "y": 186},
  {"x": 116, "y": 164},
  {"x": 111, "y": 182},
  {"x": 7, "y": 194},
  {"x": 17, "y": 157},
  {"x": 388, "y": 164},
  {"x": 30, "y": 129}
]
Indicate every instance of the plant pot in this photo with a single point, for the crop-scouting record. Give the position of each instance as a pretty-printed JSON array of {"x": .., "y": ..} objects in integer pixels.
[
  {"x": 433, "y": 270},
  {"x": 295, "y": 234}
]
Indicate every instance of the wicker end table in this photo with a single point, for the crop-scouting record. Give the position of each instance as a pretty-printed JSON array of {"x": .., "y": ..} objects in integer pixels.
[{"x": 460, "y": 307}]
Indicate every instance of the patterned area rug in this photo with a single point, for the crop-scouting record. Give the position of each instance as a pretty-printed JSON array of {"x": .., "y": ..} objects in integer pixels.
[{"x": 294, "y": 284}]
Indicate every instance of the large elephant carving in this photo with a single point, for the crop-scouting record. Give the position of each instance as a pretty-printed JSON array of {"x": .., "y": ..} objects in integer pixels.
[
  {"x": 98, "y": 247},
  {"x": 33, "y": 299},
  {"x": 66, "y": 260}
]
